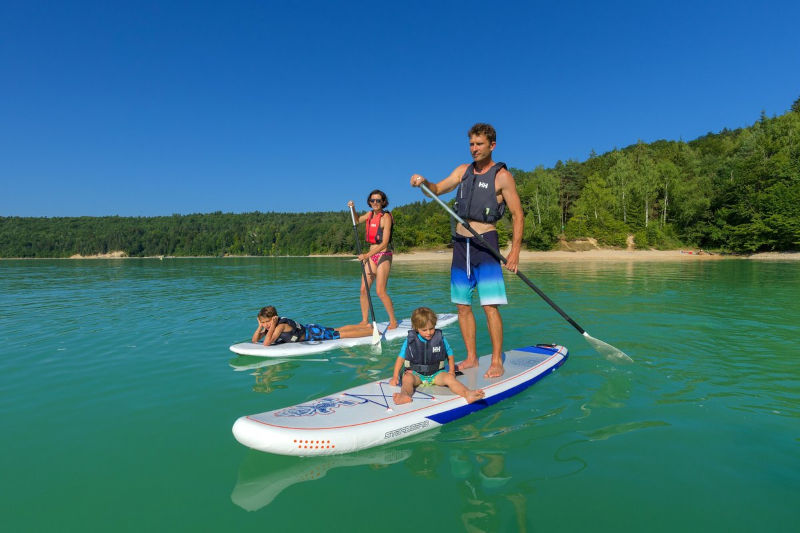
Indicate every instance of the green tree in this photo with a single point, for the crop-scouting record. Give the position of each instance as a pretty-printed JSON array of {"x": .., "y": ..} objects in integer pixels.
[
  {"x": 539, "y": 195},
  {"x": 621, "y": 179}
]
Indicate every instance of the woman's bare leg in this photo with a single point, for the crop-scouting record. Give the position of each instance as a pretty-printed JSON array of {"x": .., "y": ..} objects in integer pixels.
[
  {"x": 364, "y": 289},
  {"x": 384, "y": 267}
]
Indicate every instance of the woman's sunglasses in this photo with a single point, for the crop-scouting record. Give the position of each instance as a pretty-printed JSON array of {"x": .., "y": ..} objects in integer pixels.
[{"x": 376, "y": 200}]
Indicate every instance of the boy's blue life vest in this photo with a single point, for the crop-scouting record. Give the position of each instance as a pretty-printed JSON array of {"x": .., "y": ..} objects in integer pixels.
[
  {"x": 425, "y": 358},
  {"x": 292, "y": 335},
  {"x": 476, "y": 198},
  {"x": 374, "y": 229}
]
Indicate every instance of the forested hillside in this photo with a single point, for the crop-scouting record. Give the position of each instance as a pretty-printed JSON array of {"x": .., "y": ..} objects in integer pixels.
[{"x": 737, "y": 190}]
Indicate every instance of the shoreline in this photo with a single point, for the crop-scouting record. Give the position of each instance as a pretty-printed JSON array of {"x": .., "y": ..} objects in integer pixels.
[
  {"x": 526, "y": 256},
  {"x": 563, "y": 256}
]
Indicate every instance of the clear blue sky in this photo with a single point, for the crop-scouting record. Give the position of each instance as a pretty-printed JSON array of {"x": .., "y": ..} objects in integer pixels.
[{"x": 160, "y": 107}]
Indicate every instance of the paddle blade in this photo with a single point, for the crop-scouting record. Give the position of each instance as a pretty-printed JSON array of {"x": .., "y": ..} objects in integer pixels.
[
  {"x": 606, "y": 350},
  {"x": 376, "y": 336}
]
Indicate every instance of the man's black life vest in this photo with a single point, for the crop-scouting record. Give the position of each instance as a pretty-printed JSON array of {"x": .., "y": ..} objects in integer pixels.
[
  {"x": 374, "y": 229},
  {"x": 292, "y": 335},
  {"x": 476, "y": 198},
  {"x": 425, "y": 358}
]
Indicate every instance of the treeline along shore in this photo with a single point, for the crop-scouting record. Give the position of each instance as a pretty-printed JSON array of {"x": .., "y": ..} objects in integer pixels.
[{"x": 734, "y": 191}]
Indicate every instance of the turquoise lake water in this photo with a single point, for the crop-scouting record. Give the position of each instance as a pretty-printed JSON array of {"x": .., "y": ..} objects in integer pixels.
[{"x": 119, "y": 393}]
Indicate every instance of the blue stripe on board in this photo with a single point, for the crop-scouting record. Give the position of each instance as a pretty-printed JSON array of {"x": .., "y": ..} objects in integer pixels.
[
  {"x": 464, "y": 410},
  {"x": 543, "y": 349}
]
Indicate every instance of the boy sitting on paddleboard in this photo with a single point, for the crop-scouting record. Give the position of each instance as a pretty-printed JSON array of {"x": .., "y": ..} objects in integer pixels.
[
  {"x": 276, "y": 329},
  {"x": 423, "y": 355}
]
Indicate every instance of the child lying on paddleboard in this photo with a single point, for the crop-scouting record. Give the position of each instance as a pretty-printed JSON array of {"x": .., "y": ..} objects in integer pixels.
[
  {"x": 423, "y": 354},
  {"x": 276, "y": 329}
]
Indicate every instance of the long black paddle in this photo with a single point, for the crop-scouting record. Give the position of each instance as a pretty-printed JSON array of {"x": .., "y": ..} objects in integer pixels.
[
  {"x": 604, "y": 348},
  {"x": 376, "y": 334}
]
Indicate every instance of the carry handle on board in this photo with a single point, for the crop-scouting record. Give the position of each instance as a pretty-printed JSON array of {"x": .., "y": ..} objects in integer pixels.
[
  {"x": 604, "y": 348},
  {"x": 376, "y": 334}
]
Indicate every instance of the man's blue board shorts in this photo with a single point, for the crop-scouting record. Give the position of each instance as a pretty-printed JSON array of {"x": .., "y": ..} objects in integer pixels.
[{"x": 474, "y": 266}]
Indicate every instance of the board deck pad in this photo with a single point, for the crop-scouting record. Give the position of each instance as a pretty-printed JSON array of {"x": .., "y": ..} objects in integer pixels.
[
  {"x": 366, "y": 416},
  {"x": 309, "y": 347}
]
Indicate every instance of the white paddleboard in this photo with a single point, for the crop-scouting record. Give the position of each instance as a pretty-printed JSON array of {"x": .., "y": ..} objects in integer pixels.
[
  {"x": 309, "y": 347},
  {"x": 366, "y": 416}
]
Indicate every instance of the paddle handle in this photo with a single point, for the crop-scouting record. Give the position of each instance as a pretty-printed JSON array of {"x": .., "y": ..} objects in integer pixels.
[
  {"x": 502, "y": 259},
  {"x": 363, "y": 266}
]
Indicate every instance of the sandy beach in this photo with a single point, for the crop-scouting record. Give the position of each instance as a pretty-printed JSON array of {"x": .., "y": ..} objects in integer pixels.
[{"x": 118, "y": 254}]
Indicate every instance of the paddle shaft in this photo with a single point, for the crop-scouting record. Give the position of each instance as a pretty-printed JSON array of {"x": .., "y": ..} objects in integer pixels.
[
  {"x": 363, "y": 266},
  {"x": 502, "y": 259}
]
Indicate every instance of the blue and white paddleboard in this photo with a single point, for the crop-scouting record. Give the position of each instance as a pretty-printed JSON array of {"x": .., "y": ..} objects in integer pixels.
[
  {"x": 309, "y": 347},
  {"x": 366, "y": 416}
]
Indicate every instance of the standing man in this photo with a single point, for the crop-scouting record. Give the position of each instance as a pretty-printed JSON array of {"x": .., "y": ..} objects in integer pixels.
[{"x": 485, "y": 190}]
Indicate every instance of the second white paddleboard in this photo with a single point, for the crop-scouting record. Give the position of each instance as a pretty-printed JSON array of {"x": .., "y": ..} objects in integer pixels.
[{"x": 309, "y": 347}]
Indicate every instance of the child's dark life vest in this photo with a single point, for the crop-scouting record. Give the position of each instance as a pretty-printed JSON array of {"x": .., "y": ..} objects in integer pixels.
[
  {"x": 425, "y": 358},
  {"x": 292, "y": 335}
]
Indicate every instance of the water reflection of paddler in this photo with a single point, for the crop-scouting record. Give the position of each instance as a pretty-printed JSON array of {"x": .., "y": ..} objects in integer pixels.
[
  {"x": 486, "y": 492},
  {"x": 367, "y": 367},
  {"x": 262, "y": 477},
  {"x": 490, "y": 467},
  {"x": 269, "y": 371},
  {"x": 268, "y": 378},
  {"x": 490, "y": 460},
  {"x": 485, "y": 479},
  {"x": 275, "y": 329},
  {"x": 247, "y": 362},
  {"x": 425, "y": 459},
  {"x": 485, "y": 486}
]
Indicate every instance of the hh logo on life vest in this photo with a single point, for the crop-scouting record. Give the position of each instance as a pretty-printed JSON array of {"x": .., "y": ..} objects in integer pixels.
[
  {"x": 483, "y": 185},
  {"x": 437, "y": 349}
]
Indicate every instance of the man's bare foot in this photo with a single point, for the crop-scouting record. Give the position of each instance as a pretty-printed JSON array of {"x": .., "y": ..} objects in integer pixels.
[
  {"x": 469, "y": 363},
  {"x": 474, "y": 395},
  {"x": 363, "y": 323},
  {"x": 392, "y": 325},
  {"x": 400, "y": 398},
  {"x": 495, "y": 370}
]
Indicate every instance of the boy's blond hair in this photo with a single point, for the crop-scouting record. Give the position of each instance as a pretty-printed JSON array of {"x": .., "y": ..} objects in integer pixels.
[
  {"x": 267, "y": 312},
  {"x": 421, "y": 317}
]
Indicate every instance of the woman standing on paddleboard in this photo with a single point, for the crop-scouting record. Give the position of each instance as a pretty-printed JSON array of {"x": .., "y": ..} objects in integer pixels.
[{"x": 378, "y": 259}]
